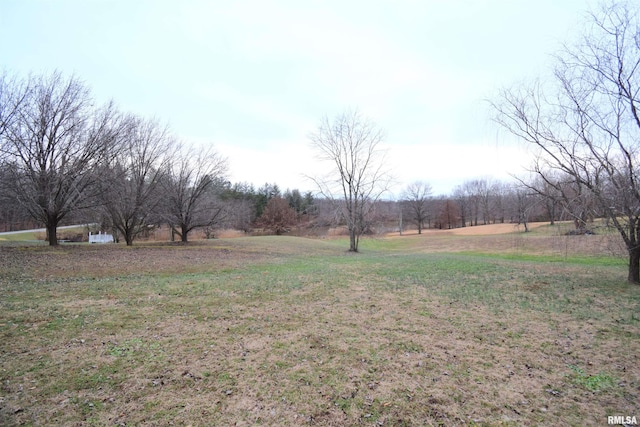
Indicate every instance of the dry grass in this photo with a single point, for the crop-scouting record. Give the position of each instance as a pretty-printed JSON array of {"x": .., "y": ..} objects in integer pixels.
[
  {"x": 510, "y": 239},
  {"x": 288, "y": 331},
  {"x": 480, "y": 230}
]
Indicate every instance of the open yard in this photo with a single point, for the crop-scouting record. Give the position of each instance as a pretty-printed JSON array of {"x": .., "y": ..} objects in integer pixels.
[{"x": 438, "y": 329}]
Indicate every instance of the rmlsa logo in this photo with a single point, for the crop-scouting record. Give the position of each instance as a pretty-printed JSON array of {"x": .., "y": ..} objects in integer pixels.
[{"x": 622, "y": 420}]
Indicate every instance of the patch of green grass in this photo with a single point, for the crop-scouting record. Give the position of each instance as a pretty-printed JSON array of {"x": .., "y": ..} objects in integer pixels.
[
  {"x": 127, "y": 348},
  {"x": 593, "y": 383},
  {"x": 37, "y": 236},
  {"x": 498, "y": 283},
  {"x": 91, "y": 378},
  {"x": 604, "y": 261},
  {"x": 20, "y": 237}
]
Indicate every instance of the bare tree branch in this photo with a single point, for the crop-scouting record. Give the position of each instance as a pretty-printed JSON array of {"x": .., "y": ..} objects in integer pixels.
[
  {"x": 188, "y": 186},
  {"x": 351, "y": 143},
  {"x": 51, "y": 143},
  {"x": 590, "y": 130}
]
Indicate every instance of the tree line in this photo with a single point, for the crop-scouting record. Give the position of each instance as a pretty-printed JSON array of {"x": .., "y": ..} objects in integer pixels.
[{"x": 64, "y": 159}]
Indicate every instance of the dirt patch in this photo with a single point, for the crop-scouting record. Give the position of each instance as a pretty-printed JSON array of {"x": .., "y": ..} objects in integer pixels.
[{"x": 478, "y": 230}]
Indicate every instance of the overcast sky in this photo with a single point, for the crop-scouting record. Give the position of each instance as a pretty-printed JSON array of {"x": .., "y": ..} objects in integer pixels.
[{"x": 254, "y": 78}]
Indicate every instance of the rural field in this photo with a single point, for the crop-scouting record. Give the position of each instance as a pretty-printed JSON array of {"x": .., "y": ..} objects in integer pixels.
[{"x": 483, "y": 326}]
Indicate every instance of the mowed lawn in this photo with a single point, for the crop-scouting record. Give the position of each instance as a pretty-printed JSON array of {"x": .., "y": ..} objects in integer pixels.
[{"x": 438, "y": 329}]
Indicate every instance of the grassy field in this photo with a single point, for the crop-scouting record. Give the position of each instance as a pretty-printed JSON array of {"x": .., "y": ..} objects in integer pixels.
[
  {"x": 438, "y": 329},
  {"x": 31, "y": 236}
]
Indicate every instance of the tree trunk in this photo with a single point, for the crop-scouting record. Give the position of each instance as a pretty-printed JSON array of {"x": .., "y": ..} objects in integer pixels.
[
  {"x": 524, "y": 221},
  {"x": 128, "y": 237},
  {"x": 634, "y": 265},
  {"x": 184, "y": 234},
  {"x": 353, "y": 241},
  {"x": 52, "y": 232}
]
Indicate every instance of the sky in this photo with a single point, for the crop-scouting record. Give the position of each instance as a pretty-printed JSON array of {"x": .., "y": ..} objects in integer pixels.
[{"x": 254, "y": 78}]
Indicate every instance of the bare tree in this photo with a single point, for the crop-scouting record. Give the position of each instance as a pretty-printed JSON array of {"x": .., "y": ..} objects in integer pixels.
[
  {"x": 52, "y": 145},
  {"x": 130, "y": 182},
  {"x": 416, "y": 198},
  {"x": 12, "y": 215},
  {"x": 5, "y": 103},
  {"x": 562, "y": 192},
  {"x": 525, "y": 201},
  {"x": 478, "y": 196},
  {"x": 449, "y": 214},
  {"x": 351, "y": 143},
  {"x": 239, "y": 202},
  {"x": 498, "y": 191},
  {"x": 188, "y": 190},
  {"x": 462, "y": 199},
  {"x": 12, "y": 94},
  {"x": 587, "y": 124},
  {"x": 550, "y": 189}
]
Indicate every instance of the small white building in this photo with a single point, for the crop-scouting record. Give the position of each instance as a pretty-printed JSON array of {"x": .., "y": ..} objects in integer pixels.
[{"x": 100, "y": 238}]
